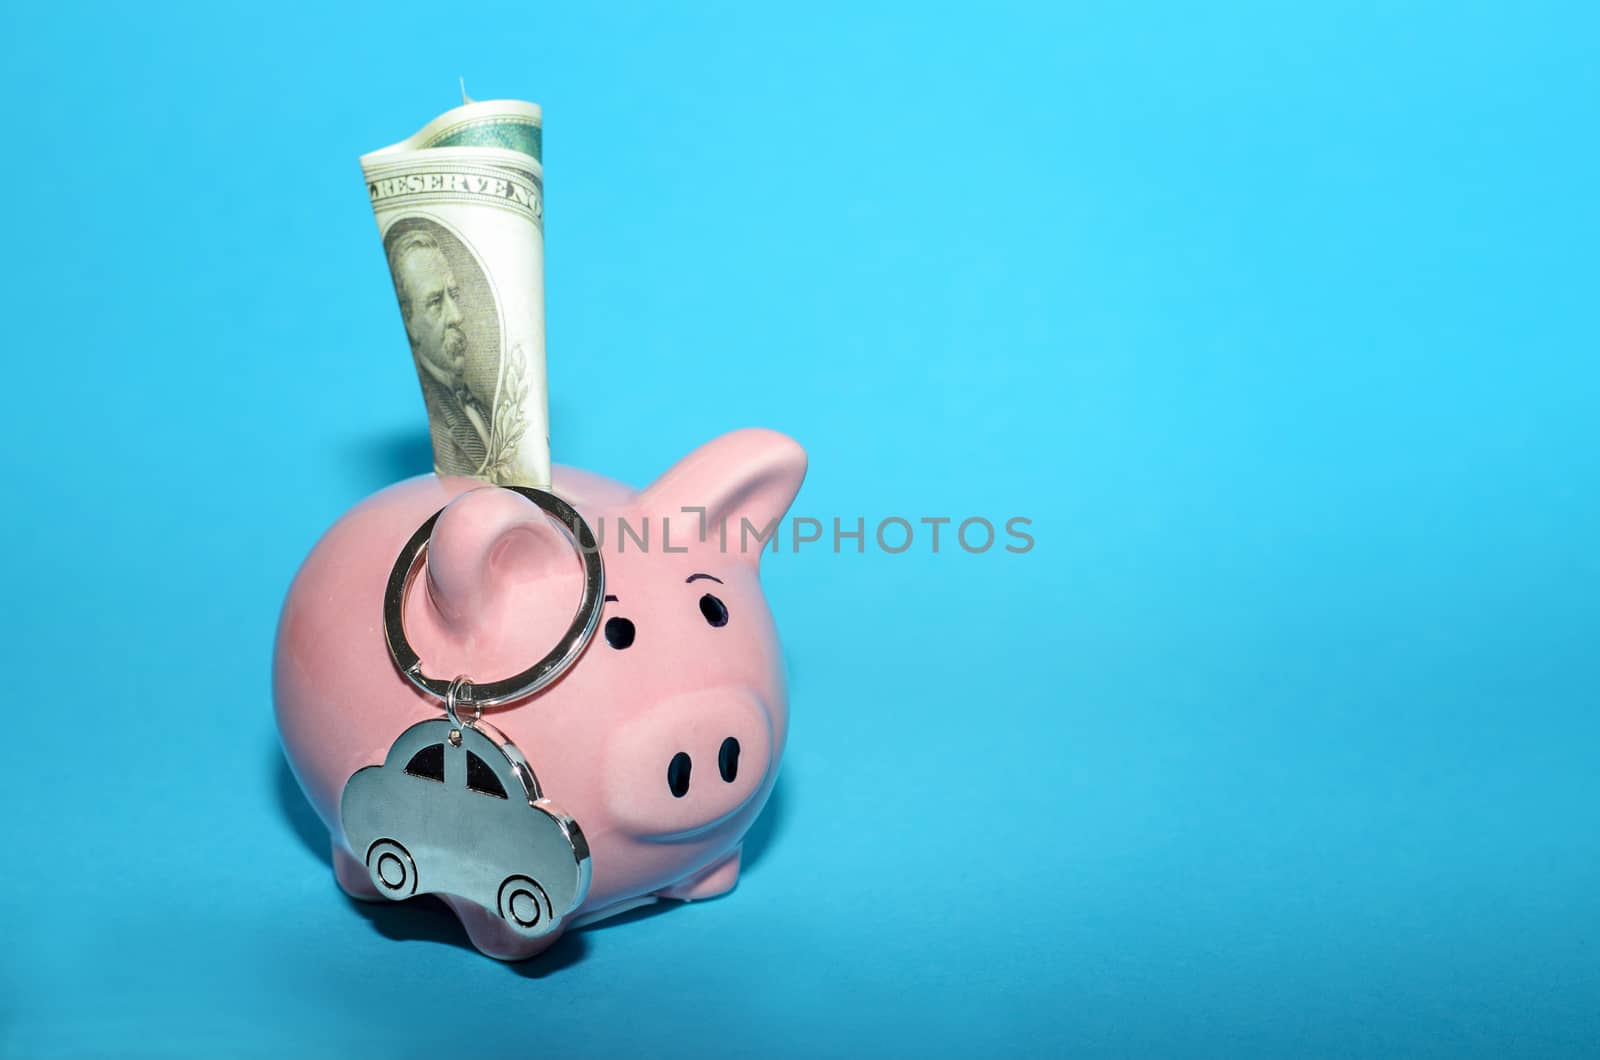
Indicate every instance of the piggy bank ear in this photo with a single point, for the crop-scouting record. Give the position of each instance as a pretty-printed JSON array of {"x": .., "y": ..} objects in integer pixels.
[
  {"x": 752, "y": 474},
  {"x": 487, "y": 544}
]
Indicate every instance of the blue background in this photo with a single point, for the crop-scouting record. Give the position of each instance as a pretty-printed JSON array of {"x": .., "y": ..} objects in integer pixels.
[{"x": 1279, "y": 325}]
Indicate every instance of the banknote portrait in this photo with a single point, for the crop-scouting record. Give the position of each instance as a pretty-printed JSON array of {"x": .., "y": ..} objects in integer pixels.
[{"x": 453, "y": 324}]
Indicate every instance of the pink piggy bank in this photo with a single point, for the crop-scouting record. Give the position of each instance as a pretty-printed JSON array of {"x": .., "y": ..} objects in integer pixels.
[{"x": 661, "y": 741}]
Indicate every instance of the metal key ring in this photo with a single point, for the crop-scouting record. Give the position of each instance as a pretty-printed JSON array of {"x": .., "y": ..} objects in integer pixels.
[{"x": 458, "y": 691}]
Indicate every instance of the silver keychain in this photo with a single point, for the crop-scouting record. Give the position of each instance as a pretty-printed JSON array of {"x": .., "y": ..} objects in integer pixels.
[{"x": 455, "y": 807}]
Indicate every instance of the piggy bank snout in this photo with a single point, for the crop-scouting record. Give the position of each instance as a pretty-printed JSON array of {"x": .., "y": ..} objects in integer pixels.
[{"x": 688, "y": 764}]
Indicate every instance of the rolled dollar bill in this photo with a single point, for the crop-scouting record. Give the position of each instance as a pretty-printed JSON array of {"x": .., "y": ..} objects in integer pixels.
[{"x": 460, "y": 209}]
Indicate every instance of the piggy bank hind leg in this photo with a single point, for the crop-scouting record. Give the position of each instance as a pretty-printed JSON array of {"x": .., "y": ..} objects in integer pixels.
[{"x": 710, "y": 882}]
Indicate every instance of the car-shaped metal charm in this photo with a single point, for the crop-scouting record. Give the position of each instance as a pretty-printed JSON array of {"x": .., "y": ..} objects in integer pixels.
[{"x": 455, "y": 809}]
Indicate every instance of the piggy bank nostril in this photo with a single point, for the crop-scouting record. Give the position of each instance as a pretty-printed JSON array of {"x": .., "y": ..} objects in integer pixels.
[
  {"x": 678, "y": 775},
  {"x": 728, "y": 759}
]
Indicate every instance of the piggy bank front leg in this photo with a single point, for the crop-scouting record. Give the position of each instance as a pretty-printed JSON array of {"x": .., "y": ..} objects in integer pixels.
[
  {"x": 717, "y": 879},
  {"x": 493, "y": 937},
  {"x": 353, "y": 877}
]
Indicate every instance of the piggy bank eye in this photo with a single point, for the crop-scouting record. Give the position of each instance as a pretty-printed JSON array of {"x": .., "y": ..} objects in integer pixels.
[
  {"x": 619, "y": 633},
  {"x": 715, "y": 610}
]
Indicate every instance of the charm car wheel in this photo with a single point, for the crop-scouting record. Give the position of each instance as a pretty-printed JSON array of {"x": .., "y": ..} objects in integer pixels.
[
  {"x": 525, "y": 906},
  {"x": 393, "y": 872}
]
